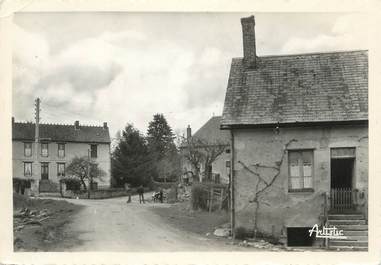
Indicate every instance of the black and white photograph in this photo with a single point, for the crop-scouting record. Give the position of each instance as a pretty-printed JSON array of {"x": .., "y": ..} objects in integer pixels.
[{"x": 190, "y": 131}]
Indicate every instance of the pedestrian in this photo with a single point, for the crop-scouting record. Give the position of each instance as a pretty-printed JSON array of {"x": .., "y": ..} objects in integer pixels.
[
  {"x": 140, "y": 191},
  {"x": 127, "y": 187},
  {"x": 161, "y": 195}
]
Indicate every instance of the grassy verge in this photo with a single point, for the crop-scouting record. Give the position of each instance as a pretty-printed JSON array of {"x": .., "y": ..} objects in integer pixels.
[
  {"x": 38, "y": 224},
  {"x": 181, "y": 216}
]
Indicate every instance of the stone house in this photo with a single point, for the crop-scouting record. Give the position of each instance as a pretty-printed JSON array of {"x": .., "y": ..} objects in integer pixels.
[
  {"x": 298, "y": 126},
  {"x": 58, "y": 145},
  {"x": 209, "y": 135}
]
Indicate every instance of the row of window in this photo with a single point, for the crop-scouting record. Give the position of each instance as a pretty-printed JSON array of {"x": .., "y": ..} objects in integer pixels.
[
  {"x": 60, "y": 150},
  {"x": 44, "y": 169}
]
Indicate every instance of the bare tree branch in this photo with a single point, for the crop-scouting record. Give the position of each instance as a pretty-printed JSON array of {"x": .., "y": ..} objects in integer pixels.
[{"x": 199, "y": 151}]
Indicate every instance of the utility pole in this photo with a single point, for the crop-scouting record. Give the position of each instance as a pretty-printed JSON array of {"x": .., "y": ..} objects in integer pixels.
[
  {"x": 37, "y": 118},
  {"x": 88, "y": 172},
  {"x": 36, "y": 135}
]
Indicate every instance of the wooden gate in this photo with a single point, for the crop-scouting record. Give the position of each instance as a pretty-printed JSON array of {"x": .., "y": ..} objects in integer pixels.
[{"x": 341, "y": 200}]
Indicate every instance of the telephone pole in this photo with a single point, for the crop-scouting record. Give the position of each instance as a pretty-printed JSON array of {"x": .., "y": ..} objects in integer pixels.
[
  {"x": 88, "y": 174},
  {"x": 37, "y": 118},
  {"x": 36, "y": 138}
]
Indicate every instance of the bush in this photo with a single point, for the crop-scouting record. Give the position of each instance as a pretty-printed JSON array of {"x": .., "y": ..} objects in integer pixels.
[
  {"x": 199, "y": 197},
  {"x": 72, "y": 184},
  {"x": 19, "y": 185},
  {"x": 240, "y": 232}
]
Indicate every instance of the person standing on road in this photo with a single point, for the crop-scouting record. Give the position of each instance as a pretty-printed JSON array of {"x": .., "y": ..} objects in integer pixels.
[
  {"x": 140, "y": 191},
  {"x": 161, "y": 195}
]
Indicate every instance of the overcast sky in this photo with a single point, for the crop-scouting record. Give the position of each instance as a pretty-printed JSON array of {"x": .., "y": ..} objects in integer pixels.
[{"x": 125, "y": 67}]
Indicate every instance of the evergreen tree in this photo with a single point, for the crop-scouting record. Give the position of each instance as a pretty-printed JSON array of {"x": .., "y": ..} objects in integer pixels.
[
  {"x": 162, "y": 149},
  {"x": 130, "y": 162},
  {"x": 160, "y": 137}
]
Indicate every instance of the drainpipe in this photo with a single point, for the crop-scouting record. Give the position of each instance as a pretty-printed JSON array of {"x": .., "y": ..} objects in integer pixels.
[{"x": 232, "y": 211}]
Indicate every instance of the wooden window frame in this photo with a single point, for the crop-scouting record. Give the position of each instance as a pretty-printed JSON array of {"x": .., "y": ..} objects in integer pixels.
[
  {"x": 31, "y": 168},
  {"x": 64, "y": 169},
  {"x": 47, "y": 149},
  {"x": 31, "y": 149},
  {"x": 58, "y": 150},
  {"x": 301, "y": 175},
  {"x": 96, "y": 151}
]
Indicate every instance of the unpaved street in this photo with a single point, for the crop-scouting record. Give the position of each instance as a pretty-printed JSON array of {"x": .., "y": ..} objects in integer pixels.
[{"x": 114, "y": 225}]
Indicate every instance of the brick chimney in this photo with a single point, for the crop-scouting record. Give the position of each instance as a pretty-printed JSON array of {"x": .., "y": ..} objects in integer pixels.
[
  {"x": 249, "y": 49},
  {"x": 189, "y": 132},
  {"x": 105, "y": 125},
  {"x": 76, "y": 125}
]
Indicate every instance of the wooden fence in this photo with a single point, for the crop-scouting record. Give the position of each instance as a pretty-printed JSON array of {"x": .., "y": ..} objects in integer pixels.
[{"x": 217, "y": 196}]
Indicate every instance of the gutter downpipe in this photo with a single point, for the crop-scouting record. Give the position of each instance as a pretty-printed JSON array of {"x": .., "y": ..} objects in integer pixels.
[{"x": 232, "y": 210}]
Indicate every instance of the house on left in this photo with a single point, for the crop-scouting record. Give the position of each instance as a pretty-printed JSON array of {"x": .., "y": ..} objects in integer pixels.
[{"x": 43, "y": 161}]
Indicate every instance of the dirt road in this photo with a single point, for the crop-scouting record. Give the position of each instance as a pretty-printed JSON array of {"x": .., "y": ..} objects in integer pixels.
[{"x": 114, "y": 225}]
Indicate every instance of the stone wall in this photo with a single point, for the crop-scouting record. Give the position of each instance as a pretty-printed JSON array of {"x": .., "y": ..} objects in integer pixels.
[
  {"x": 280, "y": 208},
  {"x": 96, "y": 194}
]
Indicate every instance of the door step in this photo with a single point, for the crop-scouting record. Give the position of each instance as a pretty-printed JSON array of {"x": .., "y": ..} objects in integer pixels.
[
  {"x": 350, "y": 248},
  {"x": 352, "y": 227},
  {"x": 347, "y": 222},
  {"x": 345, "y": 216},
  {"x": 350, "y": 243},
  {"x": 355, "y": 238},
  {"x": 355, "y": 229},
  {"x": 356, "y": 232}
]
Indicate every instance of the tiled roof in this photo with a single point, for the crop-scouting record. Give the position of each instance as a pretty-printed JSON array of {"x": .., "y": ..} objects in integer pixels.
[
  {"x": 211, "y": 133},
  {"x": 320, "y": 87},
  {"x": 61, "y": 133}
]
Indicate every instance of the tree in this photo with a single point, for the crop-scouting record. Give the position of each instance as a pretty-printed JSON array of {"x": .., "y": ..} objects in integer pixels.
[
  {"x": 83, "y": 169},
  {"x": 162, "y": 150},
  {"x": 160, "y": 138},
  {"x": 199, "y": 151},
  {"x": 169, "y": 167},
  {"x": 129, "y": 161}
]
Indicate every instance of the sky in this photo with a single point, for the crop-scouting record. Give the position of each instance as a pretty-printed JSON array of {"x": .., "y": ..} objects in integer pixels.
[{"x": 124, "y": 67}]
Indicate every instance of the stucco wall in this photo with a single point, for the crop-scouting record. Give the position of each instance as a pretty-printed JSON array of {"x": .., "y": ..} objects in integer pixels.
[
  {"x": 280, "y": 208},
  {"x": 219, "y": 167},
  {"x": 71, "y": 150}
]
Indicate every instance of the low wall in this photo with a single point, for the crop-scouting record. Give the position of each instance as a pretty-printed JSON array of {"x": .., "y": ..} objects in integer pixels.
[{"x": 97, "y": 194}]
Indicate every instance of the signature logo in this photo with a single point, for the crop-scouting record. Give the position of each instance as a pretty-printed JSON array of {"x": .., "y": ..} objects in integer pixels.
[{"x": 327, "y": 232}]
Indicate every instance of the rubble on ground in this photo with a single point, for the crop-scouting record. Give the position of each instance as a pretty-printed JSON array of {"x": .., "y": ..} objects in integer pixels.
[
  {"x": 260, "y": 244},
  {"x": 222, "y": 232},
  {"x": 25, "y": 216},
  {"x": 184, "y": 193}
]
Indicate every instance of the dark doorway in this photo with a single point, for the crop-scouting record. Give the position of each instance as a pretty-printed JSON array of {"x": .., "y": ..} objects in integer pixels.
[
  {"x": 299, "y": 237},
  {"x": 341, "y": 197},
  {"x": 342, "y": 173}
]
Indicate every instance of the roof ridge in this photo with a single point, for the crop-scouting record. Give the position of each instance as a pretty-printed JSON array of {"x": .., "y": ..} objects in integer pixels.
[
  {"x": 24, "y": 122},
  {"x": 314, "y": 53},
  {"x": 58, "y": 124},
  {"x": 309, "y": 53},
  {"x": 90, "y": 125}
]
